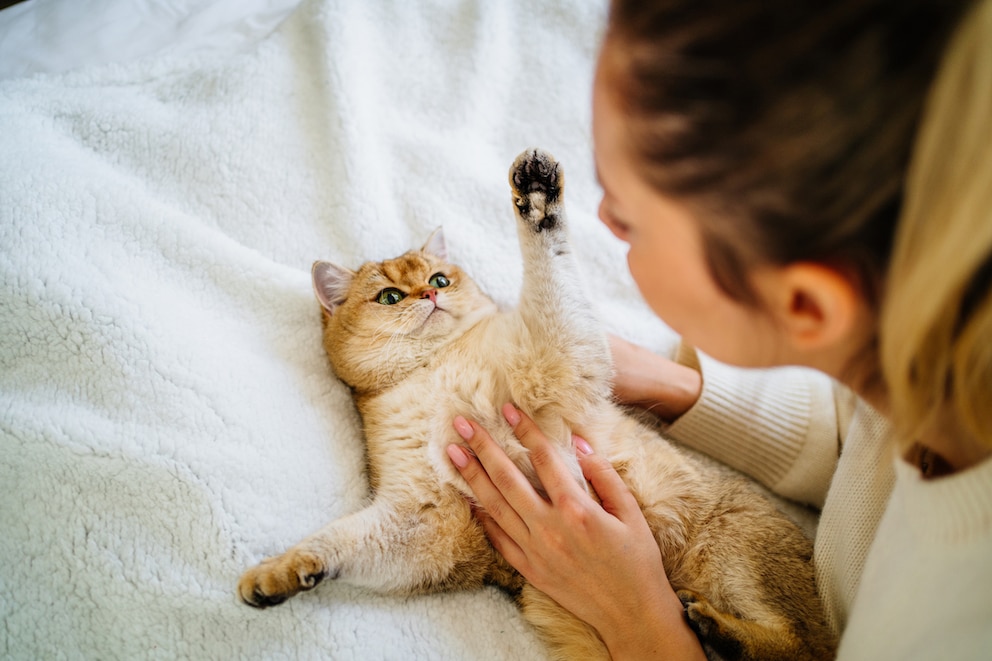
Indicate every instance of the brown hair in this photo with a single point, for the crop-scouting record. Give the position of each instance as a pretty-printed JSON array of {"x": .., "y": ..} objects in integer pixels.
[
  {"x": 853, "y": 133},
  {"x": 789, "y": 124}
]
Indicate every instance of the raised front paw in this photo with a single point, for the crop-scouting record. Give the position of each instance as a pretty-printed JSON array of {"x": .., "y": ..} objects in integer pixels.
[
  {"x": 537, "y": 180},
  {"x": 275, "y": 580}
]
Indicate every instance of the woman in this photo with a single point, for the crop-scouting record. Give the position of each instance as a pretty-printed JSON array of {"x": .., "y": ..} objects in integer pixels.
[{"x": 799, "y": 184}]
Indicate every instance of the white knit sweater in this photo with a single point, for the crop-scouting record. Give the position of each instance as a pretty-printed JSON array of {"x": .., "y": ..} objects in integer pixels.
[{"x": 904, "y": 565}]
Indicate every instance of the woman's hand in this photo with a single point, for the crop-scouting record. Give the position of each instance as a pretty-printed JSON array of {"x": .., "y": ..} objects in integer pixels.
[
  {"x": 600, "y": 562},
  {"x": 643, "y": 378}
]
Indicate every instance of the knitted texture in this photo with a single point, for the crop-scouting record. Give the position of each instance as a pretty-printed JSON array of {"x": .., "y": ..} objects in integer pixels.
[{"x": 903, "y": 564}]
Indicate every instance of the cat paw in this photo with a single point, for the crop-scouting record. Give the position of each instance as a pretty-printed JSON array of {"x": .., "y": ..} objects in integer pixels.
[
  {"x": 537, "y": 179},
  {"x": 275, "y": 580},
  {"x": 718, "y": 640},
  {"x": 699, "y": 612}
]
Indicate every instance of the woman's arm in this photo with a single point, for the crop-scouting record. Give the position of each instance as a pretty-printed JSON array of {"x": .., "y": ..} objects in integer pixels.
[
  {"x": 643, "y": 378},
  {"x": 600, "y": 562},
  {"x": 782, "y": 427}
]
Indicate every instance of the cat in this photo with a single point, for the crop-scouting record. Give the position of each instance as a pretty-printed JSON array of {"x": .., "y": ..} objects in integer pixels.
[{"x": 418, "y": 343}]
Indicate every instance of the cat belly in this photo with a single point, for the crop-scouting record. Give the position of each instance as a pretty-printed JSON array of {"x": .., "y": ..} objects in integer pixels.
[{"x": 418, "y": 416}]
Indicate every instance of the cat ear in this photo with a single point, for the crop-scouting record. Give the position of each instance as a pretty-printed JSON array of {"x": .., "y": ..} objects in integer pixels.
[
  {"x": 436, "y": 245},
  {"x": 331, "y": 284}
]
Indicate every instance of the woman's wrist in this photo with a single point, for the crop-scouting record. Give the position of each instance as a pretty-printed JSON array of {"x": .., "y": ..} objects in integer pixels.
[
  {"x": 645, "y": 379},
  {"x": 662, "y": 632},
  {"x": 677, "y": 390}
]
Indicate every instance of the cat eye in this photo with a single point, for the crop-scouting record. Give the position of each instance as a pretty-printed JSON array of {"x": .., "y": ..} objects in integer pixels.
[
  {"x": 390, "y": 296},
  {"x": 438, "y": 280}
]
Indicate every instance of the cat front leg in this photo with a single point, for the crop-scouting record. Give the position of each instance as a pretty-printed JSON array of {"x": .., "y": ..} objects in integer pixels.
[
  {"x": 396, "y": 549},
  {"x": 550, "y": 290},
  {"x": 338, "y": 549},
  {"x": 569, "y": 359}
]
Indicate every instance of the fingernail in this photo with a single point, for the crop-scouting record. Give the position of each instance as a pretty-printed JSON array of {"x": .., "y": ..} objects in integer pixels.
[
  {"x": 463, "y": 427},
  {"x": 457, "y": 455},
  {"x": 511, "y": 414},
  {"x": 581, "y": 445}
]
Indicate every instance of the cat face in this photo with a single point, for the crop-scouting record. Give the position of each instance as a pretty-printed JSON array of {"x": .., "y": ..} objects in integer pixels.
[{"x": 388, "y": 317}]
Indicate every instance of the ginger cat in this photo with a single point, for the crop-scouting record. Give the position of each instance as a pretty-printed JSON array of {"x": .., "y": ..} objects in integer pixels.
[{"x": 419, "y": 343}]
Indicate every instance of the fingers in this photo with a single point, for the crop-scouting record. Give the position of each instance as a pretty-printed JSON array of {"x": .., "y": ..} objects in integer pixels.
[
  {"x": 498, "y": 485},
  {"x": 553, "y": 473},
  {"x": 503, "y": 543},
  {"x": 614, "y": 494}
]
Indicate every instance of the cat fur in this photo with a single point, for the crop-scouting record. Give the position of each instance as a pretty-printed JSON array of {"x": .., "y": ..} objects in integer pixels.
[{"x": 742, "y": 569}]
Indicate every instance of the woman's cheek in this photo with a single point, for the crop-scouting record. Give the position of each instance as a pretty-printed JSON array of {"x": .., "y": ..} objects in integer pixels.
[
  {"x": 666, "y": 291},
  {"x": 645, "y": 284}
]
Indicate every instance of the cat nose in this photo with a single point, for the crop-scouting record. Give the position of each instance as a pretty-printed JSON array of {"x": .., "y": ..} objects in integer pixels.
[{"x": 431, "y": 294}]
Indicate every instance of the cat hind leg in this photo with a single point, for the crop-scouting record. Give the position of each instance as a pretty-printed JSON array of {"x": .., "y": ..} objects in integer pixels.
[
  {"x": 566, "y": 636},
  {"x": 725, "y": 636}
]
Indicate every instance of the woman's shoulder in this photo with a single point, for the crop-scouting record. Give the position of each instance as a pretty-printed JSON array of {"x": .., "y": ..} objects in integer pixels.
[{"x": 922, "y": 590}]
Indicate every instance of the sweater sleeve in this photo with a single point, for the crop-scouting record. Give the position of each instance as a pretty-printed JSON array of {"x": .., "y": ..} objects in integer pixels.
[{"x": 781, "y": 426}]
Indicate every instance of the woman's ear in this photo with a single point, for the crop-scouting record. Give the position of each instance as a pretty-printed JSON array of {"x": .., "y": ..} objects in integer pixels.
[{"x": 816, "y": 306}]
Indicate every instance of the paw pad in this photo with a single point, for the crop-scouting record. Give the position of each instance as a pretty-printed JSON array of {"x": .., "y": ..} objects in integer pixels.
[
  {"x": 537, "y": 180},
  {"x": 536, "y": 171}
]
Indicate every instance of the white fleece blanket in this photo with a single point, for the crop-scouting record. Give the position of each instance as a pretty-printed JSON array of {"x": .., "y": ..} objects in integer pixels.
[{"x": 167, "y": 417}]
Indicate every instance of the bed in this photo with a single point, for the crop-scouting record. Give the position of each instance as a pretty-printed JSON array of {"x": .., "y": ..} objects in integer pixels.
[{"x": 168, "y": 174}]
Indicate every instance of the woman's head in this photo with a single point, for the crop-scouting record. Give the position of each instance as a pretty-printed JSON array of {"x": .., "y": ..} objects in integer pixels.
[
  {"x": 785, "y": 130},
  {"x": 787, "y": 124}
]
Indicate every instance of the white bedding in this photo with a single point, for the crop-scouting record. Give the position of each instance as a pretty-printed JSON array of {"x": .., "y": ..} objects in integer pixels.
[
  {"x": 167, "y": 417},
  {"x": 58, "y": 35}
]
